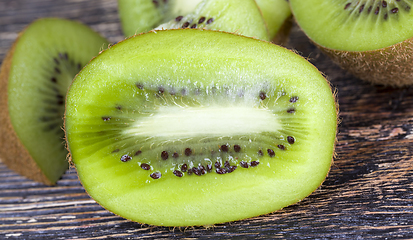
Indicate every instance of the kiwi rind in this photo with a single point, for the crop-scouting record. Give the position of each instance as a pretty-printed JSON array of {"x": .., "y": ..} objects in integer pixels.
[
  {"x": 375, "y": 48},
  {"x": 167, "y": 206},
  {"x": 36, "y": 149}
]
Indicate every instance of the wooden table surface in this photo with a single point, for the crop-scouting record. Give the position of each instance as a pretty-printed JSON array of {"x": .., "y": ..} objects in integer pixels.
[{"x": 367, "y": 195}]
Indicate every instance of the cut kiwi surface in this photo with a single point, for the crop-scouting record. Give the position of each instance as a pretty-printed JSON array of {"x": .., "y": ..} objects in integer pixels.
[
  {"x": 196, "y": 127},
  {"x": 277, "y": 15},
  {"x": 370, "y": 38},
  {"x": 34, "y": 80},
  {"x": 139, "y": 16},
  {"x": 228, "y": 16}
]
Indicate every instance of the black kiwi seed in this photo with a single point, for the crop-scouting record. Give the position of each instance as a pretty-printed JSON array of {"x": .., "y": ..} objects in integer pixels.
[
  {"x": 385, "y": 16},
  {"x": 282, "y": 147},
  {"x": 139, "y": 85},
  {"x": 209, "y": 167},
  {"x": 209, "y": 21},
  {"x": 185, "y": 25},
  {"x": 243, "y": 164},
  {"x": 291, "y": 110},
  {"x": 221, "y": 171},
  {"x": 175, "y": 155},
  {"x": 254, "y": 163},
  {"x": 188, "y": 152},
  {"x": 224, "y": 148},
  {"x": 262, "y": 95},
  {"x": 377, "y": 10},
  {"x": 201, "y": 20},
  {"x": 164, "y": 155},
  {"x": 361, "y": 8},
  {"x": 155, "y": 2},
  {"x": 116, "y": 150},
  {"x": 179, "y": 18},
  {"x": 290, "y": 139},
  {"x": 395, "y": 10},
  {"x": 226, "y": 164},
  {"x": 193, "y": 25},
  {"x": 293, "y": 99},
  {"x": 230, "y": 169},
  {"x": 125, "y": 158},
  {"x": 79, "y": 66},
  {"x": 196, "y": 171},
  {"x": 271, "y": 152},
  {"x": 53, "y": 79},
  {"x": 145, "y": 166},
  {"x": 237, "y": 148},
  {"x": 384, "y": 4},
  {"x": 347, "y": 5},
  {"x": 156, "y": 175},
  {"x": 106, "y": 118},
  {"x": 161, "y": 90},
  {"x": 138, "y": 152},
  {"x": 184, "y": 167},
  {"x": 178, "y": 173},
  {"x": 217, "y": 164},
  {"x": 190, "y": 171},
  {"x": 369, "y": 9},
  {"x": 118, "y": 107},
  {"x": 57, "y": 70},
  {"x": 260, "y": 153}
]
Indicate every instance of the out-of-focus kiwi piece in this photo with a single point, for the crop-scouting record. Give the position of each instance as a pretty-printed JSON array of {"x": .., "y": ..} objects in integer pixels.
[
  {"x": 196, "y": 127},
  {"x": 34, "y": 80},
  {"x": 228, "y": 16},
  {"x": 371, "y": 39}
]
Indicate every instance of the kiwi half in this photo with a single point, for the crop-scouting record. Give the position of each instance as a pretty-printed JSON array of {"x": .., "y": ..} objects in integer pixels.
[
  {"x": 370, "y": 38},
  {"x": 196, "y": 127},
  {"x": 228, "y": 16},
  {"x": 34, "y": 80}
]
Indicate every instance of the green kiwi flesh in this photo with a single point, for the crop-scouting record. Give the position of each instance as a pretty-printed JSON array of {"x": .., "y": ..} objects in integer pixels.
[
  {"x": 371, "y": 39},
  {"x": 192, "y": 127},
  {"x": 139, "y": 16},
  {"x": 229, "y": 16},
  {"x": 277, "y": 15},
  {"x": 355, "y": 25},
  {"x": 34, "y": 80}
]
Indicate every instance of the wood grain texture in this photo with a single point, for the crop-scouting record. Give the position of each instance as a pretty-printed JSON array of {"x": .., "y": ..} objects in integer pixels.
[{"x": 367, "y": 195}]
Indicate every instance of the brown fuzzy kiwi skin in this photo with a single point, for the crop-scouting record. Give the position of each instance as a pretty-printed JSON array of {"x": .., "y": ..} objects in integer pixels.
[
  {"x": 390, "y": 66},
  {"x": 12, "y": 152}
]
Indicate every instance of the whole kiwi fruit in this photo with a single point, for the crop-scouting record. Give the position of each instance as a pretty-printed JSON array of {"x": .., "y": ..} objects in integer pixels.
[
  {"x": 34, "y": 79},
  {"x": 190, "y": 127},
  {"x": 373, "y": 39}
]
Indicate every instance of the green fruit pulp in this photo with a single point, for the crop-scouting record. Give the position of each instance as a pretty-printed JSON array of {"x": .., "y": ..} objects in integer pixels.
[
  {"x": 46, "y": 58},
  {"x": 229, "y": 16},
  {"x": 357, "y": 27},
  {"x": 275, "y": 13},
  {"x": 224, "y": 96}
]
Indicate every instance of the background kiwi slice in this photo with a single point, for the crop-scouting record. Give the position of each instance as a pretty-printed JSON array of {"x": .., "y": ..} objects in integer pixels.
[
  {"x": 277, "y": 16},
  {"x": 228, "y": 16},
  {"x": 139, "y": 16},
  {"x": 34, "y": 80},
  {"x": 195, "y": 127},
  {"x": 370, "y": 38}
]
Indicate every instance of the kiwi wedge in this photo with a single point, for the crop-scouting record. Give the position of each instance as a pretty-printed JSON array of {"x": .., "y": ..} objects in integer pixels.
[
  {"x": 34, "y": 80},
  {"x": 278, "y": 17},
  {"x": 139, "y": 16},
  {"x": 192, "y": 127},
  {"x": 228, "y": 16},
  {"x": 373, "y": 39}
]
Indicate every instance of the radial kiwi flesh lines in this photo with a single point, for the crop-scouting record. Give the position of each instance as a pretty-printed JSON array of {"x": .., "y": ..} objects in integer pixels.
[
  {"x": 373, "y": 39},
  {"x": 196, "y": 127}
]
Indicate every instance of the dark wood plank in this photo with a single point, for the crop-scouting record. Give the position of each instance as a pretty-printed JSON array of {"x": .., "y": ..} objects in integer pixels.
[{"x": 367, "y": 195}]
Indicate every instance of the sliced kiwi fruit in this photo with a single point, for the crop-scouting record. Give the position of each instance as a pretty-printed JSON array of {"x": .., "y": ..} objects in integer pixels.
[
  {"x": 139, "y": 16},
  {"x": 191, "y": 127},
  {"x": 229, "y": 16},
  {"x": 34, "y": 80},
  {"x": 373, "y": 39},
  {"x": 277, "y": 15}
]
